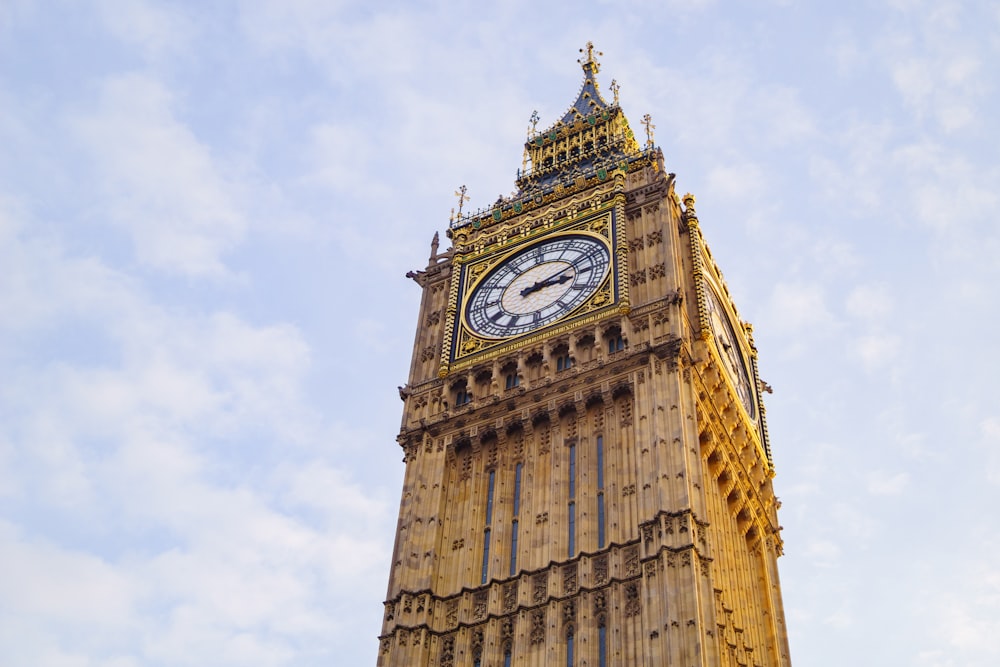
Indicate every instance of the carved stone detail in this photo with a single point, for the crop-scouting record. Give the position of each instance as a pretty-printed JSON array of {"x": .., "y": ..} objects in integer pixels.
[
  {"x": 632, "y": 561},
  {"x": 537, "y": 627},
  {"x": 569, "y": 611},
  {"x": 570, "y": 579},
  {"x": 632, "y": 604},
  {"x": 540, "y": 587},
  {"x": 447, "y": 651},
  {"x": 479, "y": 605},
  {"x": 510, "y": 596},
  {"x": 600, "y": 570}
]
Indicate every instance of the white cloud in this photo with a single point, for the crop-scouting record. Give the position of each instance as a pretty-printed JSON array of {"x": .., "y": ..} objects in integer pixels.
[
  {"x": 870, "y": 303},
  {"x": 163, "y": 186},
  {"x": 887, "y": 484},
  {"x": 159, "y": 31},
  {"x": 877, "y": 350},
  {"x": 799, "y": 307}
]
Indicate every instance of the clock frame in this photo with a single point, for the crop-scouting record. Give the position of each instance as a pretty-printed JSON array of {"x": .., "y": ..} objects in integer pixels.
[{"x": 463, "y": 345}]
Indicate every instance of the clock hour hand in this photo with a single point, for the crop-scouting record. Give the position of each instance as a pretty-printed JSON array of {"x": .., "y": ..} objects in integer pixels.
[{"x": 557, "y": 279}]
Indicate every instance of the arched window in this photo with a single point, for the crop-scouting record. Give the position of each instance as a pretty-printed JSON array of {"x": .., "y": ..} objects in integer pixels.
[
  {"x": 460, "y": 393},
  {"x": 511, "y": 378},
  {"x": 615, "y": 341},
  {"x": 569, "y": 648},
  {"x": 563, "y": 360}
]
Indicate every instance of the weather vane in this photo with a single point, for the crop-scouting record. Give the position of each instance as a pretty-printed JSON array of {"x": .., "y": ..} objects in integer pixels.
[
  {"x": 534, "y": 122},
  {"x": 647, "y": 120},
  {"x": 462, "y": 198},
  {"x": 590, "y": 57},
  {"x": 614, "y": 89}
]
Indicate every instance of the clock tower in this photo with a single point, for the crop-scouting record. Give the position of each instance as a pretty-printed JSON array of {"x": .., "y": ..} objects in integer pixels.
[{"x": 588, "y": 474}]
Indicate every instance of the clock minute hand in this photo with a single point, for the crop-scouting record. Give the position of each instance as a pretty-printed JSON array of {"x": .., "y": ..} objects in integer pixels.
[{"x": 557, "y": 279}]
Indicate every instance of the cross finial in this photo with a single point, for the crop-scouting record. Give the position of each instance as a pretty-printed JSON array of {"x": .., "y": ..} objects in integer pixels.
[
  {"x": 614, "y": 89},
  {"x": 590, "y": 63},
  {"x": 647, "y": 120},
  {"x": 534, "y": 122},
  {"x": 462, "y": 198}
]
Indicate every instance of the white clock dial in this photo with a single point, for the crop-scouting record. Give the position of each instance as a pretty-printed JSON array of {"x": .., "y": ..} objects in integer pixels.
[
  {"x": 537, "y": 286},
  {"x": 732, "y": 357}
]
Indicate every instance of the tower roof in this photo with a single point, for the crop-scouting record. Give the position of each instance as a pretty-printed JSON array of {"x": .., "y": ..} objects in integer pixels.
[
  {"x": 589, "y": 98},
  {"x": 592, "y": 140}
]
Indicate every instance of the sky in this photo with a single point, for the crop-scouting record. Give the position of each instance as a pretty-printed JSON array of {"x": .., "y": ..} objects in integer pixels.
[{"x": 206, "y": 213}]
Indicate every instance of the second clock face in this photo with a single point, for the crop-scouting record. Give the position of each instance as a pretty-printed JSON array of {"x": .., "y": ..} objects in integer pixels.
[
  {"x": 732, "y": 358},
  {"x": 537, "y": 286}
]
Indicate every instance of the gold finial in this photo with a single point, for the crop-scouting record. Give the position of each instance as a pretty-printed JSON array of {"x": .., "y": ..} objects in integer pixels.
[
  {"x": 614, "y": 89},
  {"x": 590, "y": 62},
  {"x": 534, "y": 123},
  {"x": 462, "y": 198},
  {"x": 647, "y": 120}
]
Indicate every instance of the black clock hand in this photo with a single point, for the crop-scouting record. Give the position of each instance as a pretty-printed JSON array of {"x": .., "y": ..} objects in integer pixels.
[{"x": 557, "y": 279}]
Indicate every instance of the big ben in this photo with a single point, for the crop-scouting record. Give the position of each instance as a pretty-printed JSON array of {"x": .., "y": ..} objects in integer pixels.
[{"x": 588, "y": 478}]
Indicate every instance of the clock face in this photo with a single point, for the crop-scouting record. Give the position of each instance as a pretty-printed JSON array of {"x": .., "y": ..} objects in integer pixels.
[
  {"x": 537, "y": 286},
  {"x": 729, "y": 350}
]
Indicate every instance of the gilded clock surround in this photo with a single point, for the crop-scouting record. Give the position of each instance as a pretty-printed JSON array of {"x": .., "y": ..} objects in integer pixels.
[
  {"x": 598, "y": 481},
  {"x": 464, "y": 347}
]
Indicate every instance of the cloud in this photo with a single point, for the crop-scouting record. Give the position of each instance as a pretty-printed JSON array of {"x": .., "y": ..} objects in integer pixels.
[
  {"x": 162, "y": 186},
  {"x": 886, "y": 484},
  {"x": 203, "y": 512},
  {"x": 158, "y": 31},
  {"x": 799, "y": 307}
]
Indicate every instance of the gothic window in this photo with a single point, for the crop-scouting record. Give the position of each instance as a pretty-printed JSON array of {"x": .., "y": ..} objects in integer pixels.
[
  {"x": 511, "y": 378},
  {"x": 506, "y": 657},
  {"x": 514, "y": 522},
  {"x": 569, "y": 648},
  {"x": 571, "y": 520},
  {"x": 489, "y": 521},
  {"x": 460, "y": 393},
  {"x": 615, "y": 341},
  {"x": 563, "y": 360},
  {"x": 600, "y": 492},
  {"x": 585, "y": 347}
]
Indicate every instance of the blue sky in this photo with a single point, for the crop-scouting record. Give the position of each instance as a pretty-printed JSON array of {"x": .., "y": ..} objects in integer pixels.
[{"x": 206, "y": 212}]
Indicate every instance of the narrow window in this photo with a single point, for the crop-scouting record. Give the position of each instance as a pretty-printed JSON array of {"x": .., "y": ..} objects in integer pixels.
[
  {"x": 571, "y": 524},
  {"x": 572, "y": 528},
  {"x": 602, "y": 645},
  {"x": 506, "y": 657},
  {"x": 514, "y": 523},
  {"x": 572, "y": 471},
  {"x": 489, "y": 498},
  {"x": 615, "y": 343},
  {"x": 600, "y": 492},
  {"x": 564, "y": 362},
  {"x": 486, "y": 554},
  {"x": 569, "y": 649},
  {"x": 489, "y": 520},
  {"x": 512, "y": 381}
]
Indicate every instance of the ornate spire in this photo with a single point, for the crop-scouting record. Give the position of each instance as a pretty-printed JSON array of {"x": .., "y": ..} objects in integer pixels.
[
  {"x": 590, "y": 65},
  {"x": 589, "y": 99}
]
